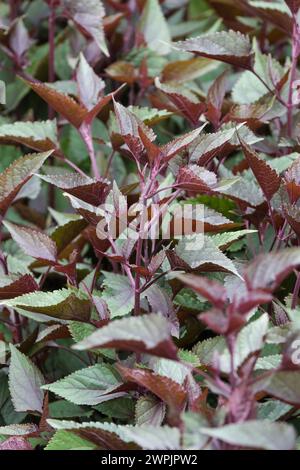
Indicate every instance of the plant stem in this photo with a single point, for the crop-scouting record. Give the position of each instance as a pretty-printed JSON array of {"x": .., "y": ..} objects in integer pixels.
[
  {"x": 51, "y": 78},
  {"x": 86, "y": 133},
  {"x": 295, "y": 53}
]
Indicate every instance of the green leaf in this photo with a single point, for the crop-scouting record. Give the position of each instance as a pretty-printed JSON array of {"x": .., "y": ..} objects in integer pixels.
[
  {"x": 66, "y": 440},
  {"x": 149, "y": 410},
  {"x": 284, "y": 385},
  {"x": 63, "y": 304},
  {"x": 249, "y": 340},
  {"x": 25, "y": 381},
  {"x": 200, "y": 251},
  {"x": 154, "y": 28},
  {"x": 16, "y": 175},
  {"x": 118, "y": 294},
  {"x": 255, "y": 434},
  {"x": 38, "y": 135},
  {"x": 88, "y": 386},
  {"x": 119, "y": 408},
  {"x": 272, "y": 410},
  {"x": 147, "y": 437},
  {"x": 225, "y": 239}
]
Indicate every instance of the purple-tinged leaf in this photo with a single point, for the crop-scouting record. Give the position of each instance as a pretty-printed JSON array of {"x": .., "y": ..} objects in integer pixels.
[
  {"x": 16, "y": 175},
  {"x": 88, "y": 16},
  {"x": 89, "y": 84},
  {"x": 227, "y": 46},
  {"x": 16, "y": 443},
  {"x": 173, "y": 394},
  {"x": 213, "y": 291},
  {"x": 82, "y": 187},
  {"x": 23, "y": 285},
  {"x": 25, "y": 381},
  {"x": 147, "y": 333},
  {"x": 267, "y": 178},
  {"x": 267, "y": 271},
  {"x": 34, "y": 242}
]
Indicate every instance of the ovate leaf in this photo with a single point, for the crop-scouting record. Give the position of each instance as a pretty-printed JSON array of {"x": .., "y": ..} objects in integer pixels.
[
  {"x": 25, "y": 381},
  {"x": 88, "y": 16},
  {"x": 154, "y": 27},
  {"x": 146, "y": 333},
  {"x": 38, "y": 135},
  {"x": 267, "y": 178},
  {"x": 228, "y": 46},
  {"x": 63, "y": 304},
  {"x": 23, "y": 285},
  {"x": 165, "y": 388},
  {"x": 16, "y": 175},
  {"x": 256, "y": 435},
  {"x": 34, "y": 242},
  {"x": 267, "y": 271},
  {"x": 88, "y": 386}
]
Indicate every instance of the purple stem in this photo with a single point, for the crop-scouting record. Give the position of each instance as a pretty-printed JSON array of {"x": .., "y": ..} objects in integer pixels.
[
  {"x": 86, "y": 134},
  {"x": 295, "y": 54}
]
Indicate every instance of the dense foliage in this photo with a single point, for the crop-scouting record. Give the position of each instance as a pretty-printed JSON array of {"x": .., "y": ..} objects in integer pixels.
[{"x": 150, "y": 224}]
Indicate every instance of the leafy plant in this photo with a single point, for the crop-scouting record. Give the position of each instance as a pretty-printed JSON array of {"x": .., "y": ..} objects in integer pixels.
[{"x": 150, "y": 225}]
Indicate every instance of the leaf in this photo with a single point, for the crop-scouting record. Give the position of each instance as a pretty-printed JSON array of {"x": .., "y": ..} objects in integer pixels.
[
  {"x": 154, "y": 28},
  {"x": 146, "y": 333},
  {"x": 267, "y": 178},
  {"x": 248, "y": 88},
  {"x": 207, "y": 146},
  {"x": 148, "y": 437},
  {"x": 66, "y": 440},
  {"x": 256, "y": 435},
  {"x": 25, "y": 381},
  {"x": 182, "y": 71},
  {"x": 267, "y": 271},
  {"x": 34, "y": 242},
  {"x": 88, "y": 15},
  {"x": 180, "y": 143},
  {"x": 118, "y": 294},
  {"x": 23, "y": 285},
  {"x": 16, "y": 175},
  {"x": 225, "y": 239},
  {"x": 38, "y": 135},
  {"x": 215, "y": 98},
  {"x": 88, "y": 386},
  {"x": 173, "y": 394},
  {"x": 284, "y": 385},
  {"x": 149, "y": 410},
  {"x": 228, "y": 46},
  {"x": 293, "y": 5},
  {"x": 83, "y": 187},
  {"x": 129, "y": 125},
  {"x": 211, "y": 290},
  {"x": 15, "y": 443},
  {"x": 18, "y": 429},
  {"x": 62, "y": 103},
  {"x": 185, "y": 101},
  {"x": 89, "y": 84},
  {"x": 200, "y": 252},
  {"x": 250, "y": 340},
  {"x": 63, "y": 304}
]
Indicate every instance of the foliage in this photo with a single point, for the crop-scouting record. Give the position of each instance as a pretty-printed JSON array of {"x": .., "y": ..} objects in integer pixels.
[{"x": 123, "y": 123}]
